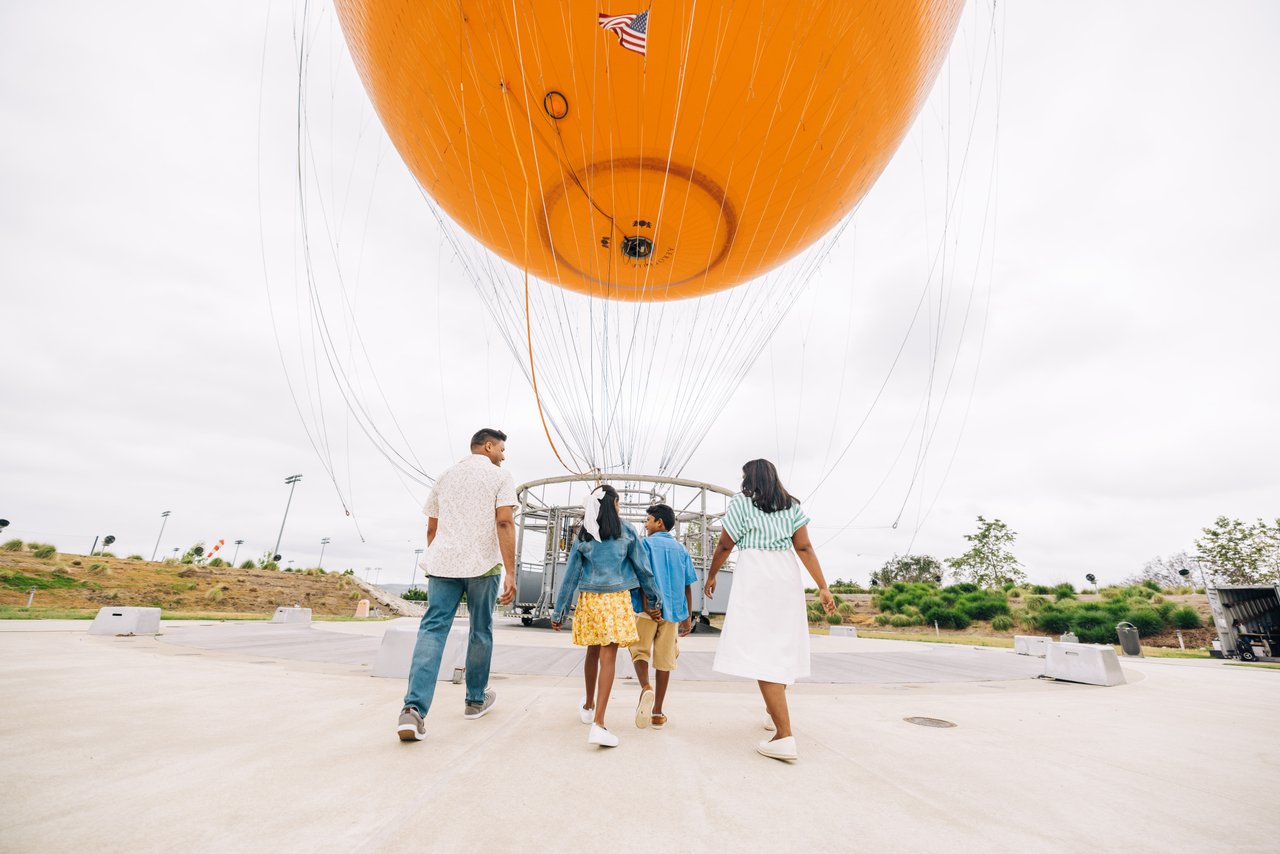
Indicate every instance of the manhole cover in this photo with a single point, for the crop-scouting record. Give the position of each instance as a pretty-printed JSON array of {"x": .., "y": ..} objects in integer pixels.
[{"x": 934, "y": 722}]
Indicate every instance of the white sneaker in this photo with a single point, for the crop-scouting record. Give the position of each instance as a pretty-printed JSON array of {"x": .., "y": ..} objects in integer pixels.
[
  {"x": 779, "y": 748},
  {"x": 587, "y": 715},
  {"x": 768, "y": 723},
  {"x": 602, "y": 737}
]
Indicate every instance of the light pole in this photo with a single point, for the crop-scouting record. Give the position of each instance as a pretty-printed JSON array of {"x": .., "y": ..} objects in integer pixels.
[
  {"x": 1200, "y": 561},
  {"x": 236, "y": 555},
  {"x": 377, "y": 574},
  {"x": 292, "y": 480},
  {"x": 164, "y": 517},
  {"x": 417, "y": 555},
  {"x": 323, "y": 542}
]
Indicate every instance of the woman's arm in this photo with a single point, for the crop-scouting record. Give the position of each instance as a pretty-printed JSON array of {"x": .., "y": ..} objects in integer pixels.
[
  {"x": 639, "y": 557},
  {"x": 809, "y": 557},
  {"x": 723, "y": 549}
]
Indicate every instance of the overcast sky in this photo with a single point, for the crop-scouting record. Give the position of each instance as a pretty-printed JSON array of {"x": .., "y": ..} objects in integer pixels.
[{"x": 1126, "y": 394}]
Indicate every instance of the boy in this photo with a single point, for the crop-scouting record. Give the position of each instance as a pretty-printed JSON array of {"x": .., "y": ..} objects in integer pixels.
[{"x": 673, "y": 570}]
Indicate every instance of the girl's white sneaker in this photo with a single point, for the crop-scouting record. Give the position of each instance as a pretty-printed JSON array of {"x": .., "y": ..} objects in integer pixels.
[
  {"x": 587, "y": 715},
  {"x": 779, "y": 748},
  {"x": 602, "y": 737}
]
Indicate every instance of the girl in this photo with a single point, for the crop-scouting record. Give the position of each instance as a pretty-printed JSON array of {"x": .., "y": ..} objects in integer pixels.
[
  {"x": 766, "y": 633},
  {"x": 606, "y": 561}
]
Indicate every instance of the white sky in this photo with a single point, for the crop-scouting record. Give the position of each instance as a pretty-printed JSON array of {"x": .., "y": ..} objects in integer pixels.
[{"x": 1127, "y": 392}]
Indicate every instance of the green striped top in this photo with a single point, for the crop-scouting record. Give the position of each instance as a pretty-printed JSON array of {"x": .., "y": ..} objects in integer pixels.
[{"x": 751, "y": 528}]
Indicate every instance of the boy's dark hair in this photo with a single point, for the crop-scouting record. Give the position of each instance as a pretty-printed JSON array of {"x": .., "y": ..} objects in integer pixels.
[
  {"x": 760, "y": 483},
  {"x": 487, "y": 434},
  {"x": 663, "y": 514},
  {"x": 610, "y": 524}
]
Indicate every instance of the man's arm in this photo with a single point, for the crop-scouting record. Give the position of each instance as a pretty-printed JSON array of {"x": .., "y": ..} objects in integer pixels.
[
  {"x": 432, "y": 522},
  {"x": 504, "y": 518}
]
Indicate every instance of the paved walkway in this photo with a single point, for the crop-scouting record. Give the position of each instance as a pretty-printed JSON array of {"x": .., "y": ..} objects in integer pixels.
[
  {"x": 523, "y": 651},
  {"x": 143, "y": 744}
]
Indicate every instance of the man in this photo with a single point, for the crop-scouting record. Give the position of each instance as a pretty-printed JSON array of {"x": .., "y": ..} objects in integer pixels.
[{"x": 471, "y": 541}]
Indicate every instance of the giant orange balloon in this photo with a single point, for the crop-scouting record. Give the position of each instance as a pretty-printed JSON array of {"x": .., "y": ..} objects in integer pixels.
[{"x": 743, "y": 132}]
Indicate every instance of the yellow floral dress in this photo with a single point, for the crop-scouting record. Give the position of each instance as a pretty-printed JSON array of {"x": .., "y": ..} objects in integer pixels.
[{"x": 604, "y": 618}]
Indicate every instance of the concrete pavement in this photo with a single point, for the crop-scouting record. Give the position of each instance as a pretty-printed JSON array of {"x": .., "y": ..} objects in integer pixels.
[{"x": 137, "y": 744}]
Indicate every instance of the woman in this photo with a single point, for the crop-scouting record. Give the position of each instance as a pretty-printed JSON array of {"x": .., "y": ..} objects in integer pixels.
[
  {"x": 606, "y": 561},
  {"x": 766, "y": 631}
]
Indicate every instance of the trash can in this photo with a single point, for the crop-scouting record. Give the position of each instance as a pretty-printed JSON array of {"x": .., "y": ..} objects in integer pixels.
[{"x": 1129, "y": 639}]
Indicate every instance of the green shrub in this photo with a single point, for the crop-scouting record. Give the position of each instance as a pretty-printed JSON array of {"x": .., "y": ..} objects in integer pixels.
[
  {"x": 1002, "y": 623},
  {"x": 214, "y": 594},
  {"x": 1041, "y": 590},
  {"x": 135, "y": 557},
  {"x": 271, "y": 565},
  {"x": 1052, "y": 620},
  {"x": 1186, "y": 617},
  {"x": 901, "y": 620},
  {"x": 24, "y": 582},
  {"x": 99, "y": 569},
  {"x": 982, "y": 605},
  {"x": 1036, "y": 603},
  {"x": 951, "y": 618},
  {"x": 1157, "y": 599},
  {"x": 1147, "y": 621},
  {"x": 1015, "y": 593},
  {"x": 882, "y": 619},
  {"x": 835, "y": 619},
  {"x": 248, "y": 564},
  {"x": 217, "y": 561},
  {"x": 107, "y": 554},
  {"x": 44, "y": 551},
  {"x": 845, "y": 609},
  {"x": 814, "y": 616},
  {"x": 12, "y": 546},
  {"x": 964, "y": 587},
  {"x": 1060, "y": 594},
  {"x": 1151, "y": 584}
]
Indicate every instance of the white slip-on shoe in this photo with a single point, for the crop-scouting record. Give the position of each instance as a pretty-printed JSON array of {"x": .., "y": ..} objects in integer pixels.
[
  {"x": 779, "y": 748},
  {"x": 587, "y": 715},
  {"x": 601, "y": 736},
  {"x": 644, "y": 709},
  {"x": 768, "y": 723}
]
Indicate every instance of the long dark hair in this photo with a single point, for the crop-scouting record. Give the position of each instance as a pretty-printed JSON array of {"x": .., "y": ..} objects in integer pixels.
[
  {"x": 760, "y": 483},
  {"x": 610, "y": 523}
]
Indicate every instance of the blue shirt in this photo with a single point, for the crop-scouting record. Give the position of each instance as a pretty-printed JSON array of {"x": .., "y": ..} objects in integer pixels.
[{"x": 673, "y": 570}]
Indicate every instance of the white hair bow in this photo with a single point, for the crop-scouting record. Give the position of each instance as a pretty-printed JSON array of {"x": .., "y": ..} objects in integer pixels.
[{"x": 591, "y": 513}]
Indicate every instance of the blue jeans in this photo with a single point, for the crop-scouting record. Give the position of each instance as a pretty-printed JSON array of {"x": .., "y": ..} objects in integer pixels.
[{"x": 443, "y": 598}]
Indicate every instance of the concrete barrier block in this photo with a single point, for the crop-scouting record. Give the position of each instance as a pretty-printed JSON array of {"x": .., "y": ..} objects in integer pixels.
[
  {"x": 396, "y": 652},
  {"x": 292, "y": 615},
  {"x": 362, "y": 608},
  {"x": 1030, "y": 645},
  {"x": 1085, "y": 663},
  {"x": 844, "y": 631},
  {"x": 126, "y": 621}
]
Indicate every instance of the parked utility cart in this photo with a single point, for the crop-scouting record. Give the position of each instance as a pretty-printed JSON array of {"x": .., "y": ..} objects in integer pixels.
[{"x": 1247, "y": 619}]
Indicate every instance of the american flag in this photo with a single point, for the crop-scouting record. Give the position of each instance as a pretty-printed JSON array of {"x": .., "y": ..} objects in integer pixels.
[{"x": 630, "y": 29}]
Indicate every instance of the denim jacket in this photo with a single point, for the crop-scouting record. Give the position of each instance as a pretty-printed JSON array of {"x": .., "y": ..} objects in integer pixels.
[{"x": 606, "y": 566}]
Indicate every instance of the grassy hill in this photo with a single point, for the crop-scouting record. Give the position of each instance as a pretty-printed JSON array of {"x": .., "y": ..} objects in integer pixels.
[{"x": 70, "y": 585}]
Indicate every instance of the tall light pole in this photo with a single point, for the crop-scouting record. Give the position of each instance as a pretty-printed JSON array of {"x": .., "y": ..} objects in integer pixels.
[
  {"x": 417, "y": 555},
  {"x": 324, "y": 542},
  {"x": 236, "y": 556},
  {"x": 292, "y": 480},
  {"x": 164, "y": 517},
  {"x": 377, "y": 574}
]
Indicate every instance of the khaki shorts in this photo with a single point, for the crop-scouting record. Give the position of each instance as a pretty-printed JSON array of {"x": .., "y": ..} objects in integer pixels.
[{"x": 657, "y": 642}]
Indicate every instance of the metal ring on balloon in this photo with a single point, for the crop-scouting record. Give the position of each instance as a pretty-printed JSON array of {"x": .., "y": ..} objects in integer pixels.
[{"x": 555, "y": 104}]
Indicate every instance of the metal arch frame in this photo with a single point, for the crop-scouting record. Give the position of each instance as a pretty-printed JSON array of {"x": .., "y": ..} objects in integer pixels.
[{"x": 536, "y": 582}]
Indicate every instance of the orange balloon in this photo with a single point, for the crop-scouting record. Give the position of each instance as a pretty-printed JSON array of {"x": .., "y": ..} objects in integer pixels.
[{"x": 664, "y": 157}]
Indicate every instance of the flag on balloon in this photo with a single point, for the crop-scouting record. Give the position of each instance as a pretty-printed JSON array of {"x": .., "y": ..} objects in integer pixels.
[{"x": 631, "y": 30}]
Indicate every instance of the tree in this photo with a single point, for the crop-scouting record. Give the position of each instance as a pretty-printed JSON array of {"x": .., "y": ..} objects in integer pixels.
[
  {"x": 1242, "y": 553},
  {"x": 909, "y": 568},
  {"x": 989, "y": 562},
  {"x": 1167, "y": 571}
]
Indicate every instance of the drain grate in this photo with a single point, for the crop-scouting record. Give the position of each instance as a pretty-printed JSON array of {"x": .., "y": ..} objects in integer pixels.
[{"x": 933, "y": 722}]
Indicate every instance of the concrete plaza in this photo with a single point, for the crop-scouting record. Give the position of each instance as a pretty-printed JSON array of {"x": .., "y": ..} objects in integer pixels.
[{"x": 236, "y": 737}]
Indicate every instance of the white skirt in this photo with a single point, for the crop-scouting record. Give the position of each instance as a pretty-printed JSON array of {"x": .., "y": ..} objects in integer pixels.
[{"x": 766, "y": 630}]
